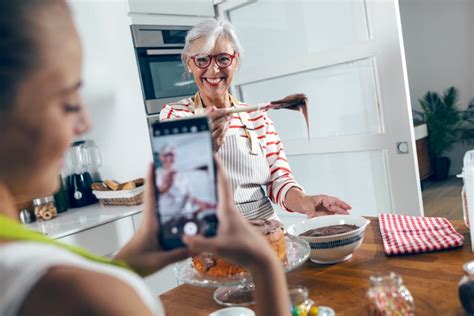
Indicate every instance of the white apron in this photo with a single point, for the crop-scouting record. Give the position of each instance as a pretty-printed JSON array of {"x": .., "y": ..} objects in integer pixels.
[{"x": 247, "y": 168}]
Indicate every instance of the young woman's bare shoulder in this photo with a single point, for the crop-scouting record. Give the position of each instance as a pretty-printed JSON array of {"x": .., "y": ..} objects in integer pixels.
[{"x": 73, "y": 291}]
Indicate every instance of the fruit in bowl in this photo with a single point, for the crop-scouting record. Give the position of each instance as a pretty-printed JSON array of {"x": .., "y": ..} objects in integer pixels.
[{"x": 332, "y": 238}]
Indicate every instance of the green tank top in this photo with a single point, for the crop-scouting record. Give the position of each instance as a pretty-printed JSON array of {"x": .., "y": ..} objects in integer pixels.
[{"x": 14, "y": 231}]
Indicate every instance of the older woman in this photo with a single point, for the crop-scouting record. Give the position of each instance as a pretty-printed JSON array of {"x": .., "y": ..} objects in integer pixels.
[
  {"x": 40, "y": 114},
  {"x": 174, "y": 187},
  {"x": 247, "y": 143}
]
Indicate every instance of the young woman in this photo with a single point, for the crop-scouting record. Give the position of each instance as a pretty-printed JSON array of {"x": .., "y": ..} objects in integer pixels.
[{"x": 40, "y": 114}]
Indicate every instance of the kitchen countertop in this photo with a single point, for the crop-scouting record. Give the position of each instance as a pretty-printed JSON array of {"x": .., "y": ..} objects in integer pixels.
[{"x": 79, "y": 219}]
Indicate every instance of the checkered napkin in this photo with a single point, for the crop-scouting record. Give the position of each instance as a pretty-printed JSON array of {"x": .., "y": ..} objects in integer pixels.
[{"x": 413, "y": 234}]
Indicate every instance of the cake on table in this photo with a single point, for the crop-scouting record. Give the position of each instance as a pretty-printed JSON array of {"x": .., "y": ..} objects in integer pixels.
[{"x": 212, "y": 265}]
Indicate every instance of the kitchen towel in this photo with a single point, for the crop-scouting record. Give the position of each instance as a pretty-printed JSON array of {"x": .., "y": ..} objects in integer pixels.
[{"x": 414, "y": 234}]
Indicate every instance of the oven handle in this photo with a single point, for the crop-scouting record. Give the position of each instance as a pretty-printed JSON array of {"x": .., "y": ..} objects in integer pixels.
[{"x": 164, "y": 51}]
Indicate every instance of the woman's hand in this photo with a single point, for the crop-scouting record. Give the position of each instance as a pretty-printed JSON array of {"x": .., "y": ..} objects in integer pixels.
[
  {"x": 143, "y": 252},
  {"x": 219, "y": 118},
  {"x": 315, "y": 205},
  {"x": 168, "y": 180}
]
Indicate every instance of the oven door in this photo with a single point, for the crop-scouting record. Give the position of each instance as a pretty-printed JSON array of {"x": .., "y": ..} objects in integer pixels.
[{"x": 164, "y": 77}]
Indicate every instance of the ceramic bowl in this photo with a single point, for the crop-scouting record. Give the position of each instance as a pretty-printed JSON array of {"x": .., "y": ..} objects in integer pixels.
[
  {"x": 334, "y": 248},
  {"x": 233, "y": 311}
]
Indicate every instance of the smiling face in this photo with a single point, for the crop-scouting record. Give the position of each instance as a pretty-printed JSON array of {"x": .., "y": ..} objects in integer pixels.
[
  {"x": 167, "y": 159},
  {"x": 213, "y": 82},
  {"x": 47, "y": 113}
]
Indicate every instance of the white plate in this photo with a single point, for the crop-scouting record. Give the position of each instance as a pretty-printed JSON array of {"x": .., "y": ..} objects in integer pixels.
[
  {"x": 297, "y": 252},
  {"x": 233, "y": 311}
]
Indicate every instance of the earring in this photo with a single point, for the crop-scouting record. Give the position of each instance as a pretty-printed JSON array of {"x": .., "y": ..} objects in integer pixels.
[{"x": 189, "y": 70}]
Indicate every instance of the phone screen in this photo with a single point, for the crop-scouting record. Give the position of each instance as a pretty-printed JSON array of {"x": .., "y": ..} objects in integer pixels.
[{"x": 185, "y": 180}]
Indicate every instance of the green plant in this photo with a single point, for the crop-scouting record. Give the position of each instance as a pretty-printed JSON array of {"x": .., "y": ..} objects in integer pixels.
[
  {"x": 467, "y": 124},
  {"x": 447, "y": 124}
]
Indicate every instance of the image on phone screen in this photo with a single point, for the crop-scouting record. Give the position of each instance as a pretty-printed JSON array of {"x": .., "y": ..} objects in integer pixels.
[{"x": 185, "y": 180}]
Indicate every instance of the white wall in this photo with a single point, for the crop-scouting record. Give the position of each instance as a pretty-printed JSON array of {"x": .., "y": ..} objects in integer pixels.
[
  {"x": 439, "y": 48},
  {"x": 112, "y": 89}
]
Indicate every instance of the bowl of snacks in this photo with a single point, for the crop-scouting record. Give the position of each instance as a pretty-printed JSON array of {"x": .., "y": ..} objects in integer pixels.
[
  {"x": 332, "y": 238},
  {"x": 127, "y": 193}
]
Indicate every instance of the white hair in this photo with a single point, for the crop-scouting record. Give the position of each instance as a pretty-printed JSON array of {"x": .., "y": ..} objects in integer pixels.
[{"x": 211, "y": 30}]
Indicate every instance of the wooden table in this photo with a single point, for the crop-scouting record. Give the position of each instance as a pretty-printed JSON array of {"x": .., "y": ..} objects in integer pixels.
[{"x": 432, "y": 278}]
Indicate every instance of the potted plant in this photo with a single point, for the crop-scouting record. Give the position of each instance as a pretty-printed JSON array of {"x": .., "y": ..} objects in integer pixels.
[
  {"x": 447, "y": 125},
  {"x": 467, "y": 124}
]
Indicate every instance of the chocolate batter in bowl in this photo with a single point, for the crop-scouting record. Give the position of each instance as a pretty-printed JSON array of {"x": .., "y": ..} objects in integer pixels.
[
  {"x": 329, "y": 230},
  {"x": 332, "y": 238}
]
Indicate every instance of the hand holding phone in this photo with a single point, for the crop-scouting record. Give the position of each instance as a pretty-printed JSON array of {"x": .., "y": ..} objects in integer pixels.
[
  {"x": 220, "y": 119},
  {"x": 167, "y": 182},
  {"x": 143, "y": 253},
  {"x": 185, "y": 180}
]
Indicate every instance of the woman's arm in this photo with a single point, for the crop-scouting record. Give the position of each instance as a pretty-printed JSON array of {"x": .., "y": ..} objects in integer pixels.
[
  {"x": 315, "y": 205},
  {"x": 281, "y": 177},
  {"x": 143, "y": 252},
  {"x": 168, "y": 179},
  {"x": 176, "y": 110},
  {"x": 271, "y": 291},
  {"x": 219, "y": 118},
  {"x": 283, "y": 188},
  {"x": 241, "y": 243}
]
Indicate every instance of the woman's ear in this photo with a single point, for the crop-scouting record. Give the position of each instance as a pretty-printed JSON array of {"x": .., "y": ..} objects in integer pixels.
[
  {"x": 188, "y": 64},
  {"x": 237, "y": 61}
]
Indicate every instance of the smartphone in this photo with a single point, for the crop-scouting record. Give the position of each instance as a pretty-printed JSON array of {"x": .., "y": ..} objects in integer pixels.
[{"x": 185, "y": 179}]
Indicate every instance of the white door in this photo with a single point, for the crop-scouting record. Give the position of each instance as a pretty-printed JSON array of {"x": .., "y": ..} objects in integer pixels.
[{"x": 348, "y": 58}]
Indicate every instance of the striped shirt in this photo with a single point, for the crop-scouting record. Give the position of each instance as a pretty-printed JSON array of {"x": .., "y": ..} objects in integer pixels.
[{"x": 281, "y": 179}]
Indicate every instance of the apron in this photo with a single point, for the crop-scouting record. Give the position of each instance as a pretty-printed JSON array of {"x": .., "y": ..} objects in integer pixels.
[{"x": 247, "y": 168}]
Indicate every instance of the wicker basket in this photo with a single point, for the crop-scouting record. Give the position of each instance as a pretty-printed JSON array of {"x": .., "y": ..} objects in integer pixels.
[{"x": 121, "y": 198}]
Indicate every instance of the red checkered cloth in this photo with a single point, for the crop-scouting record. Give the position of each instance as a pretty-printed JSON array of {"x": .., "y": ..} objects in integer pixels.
[{"x": 413, "y": 234}]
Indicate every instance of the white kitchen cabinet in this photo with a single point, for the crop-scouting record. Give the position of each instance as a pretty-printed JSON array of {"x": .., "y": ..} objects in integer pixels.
[
  {"x": 204, "y": 8},
  {"x": 103, "y": 240},
  {"x": 163, "y": 280},
  {"x": 137, "y": 219}
]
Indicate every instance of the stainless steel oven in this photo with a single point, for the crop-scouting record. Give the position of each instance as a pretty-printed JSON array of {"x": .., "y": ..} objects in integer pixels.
[{"x": 162, "y": 74}]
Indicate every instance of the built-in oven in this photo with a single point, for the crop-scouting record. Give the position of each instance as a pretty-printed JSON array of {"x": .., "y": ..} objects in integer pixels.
[{"x": 162, "y": 74}]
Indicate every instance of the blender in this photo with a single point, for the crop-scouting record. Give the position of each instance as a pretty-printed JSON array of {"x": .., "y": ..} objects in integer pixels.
[{"x": 82, "y": 160}]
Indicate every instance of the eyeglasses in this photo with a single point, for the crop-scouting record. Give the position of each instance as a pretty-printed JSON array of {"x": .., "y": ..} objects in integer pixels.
[{"x": 223, "y": 60}]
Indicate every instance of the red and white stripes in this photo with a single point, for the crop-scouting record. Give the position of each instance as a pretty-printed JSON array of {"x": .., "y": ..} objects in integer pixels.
[{"x": 281, "y": 179}]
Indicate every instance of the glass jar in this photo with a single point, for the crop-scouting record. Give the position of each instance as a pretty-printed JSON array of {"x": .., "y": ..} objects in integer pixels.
[
  {"x": 388, "y": 296},
  {"x": 45, "y": 208},
  {"x": 466, "y": 288},
  {"x": 300, "y": 303}
]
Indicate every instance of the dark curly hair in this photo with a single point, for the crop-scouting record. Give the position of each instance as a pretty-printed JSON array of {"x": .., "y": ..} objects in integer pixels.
[{"x": 19, "y": 53}]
